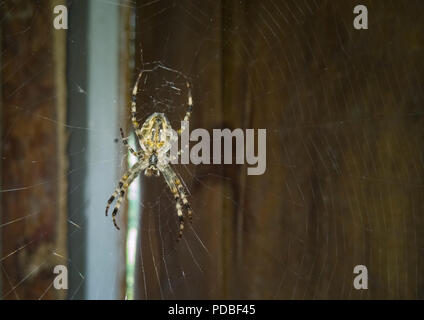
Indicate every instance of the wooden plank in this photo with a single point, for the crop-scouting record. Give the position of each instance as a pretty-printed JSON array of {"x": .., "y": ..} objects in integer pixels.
[{"x": 33, "y": 158}]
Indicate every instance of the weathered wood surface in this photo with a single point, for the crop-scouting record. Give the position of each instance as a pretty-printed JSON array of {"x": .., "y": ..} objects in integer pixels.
[
  {"x": 33, "y": 155},
  {"x": 344, "y": 183}
]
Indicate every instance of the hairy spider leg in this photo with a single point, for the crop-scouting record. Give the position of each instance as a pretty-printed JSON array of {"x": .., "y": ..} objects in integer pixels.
[
  {"x": 176, "y": 182},
  {"x": 125, "y": 142},
  {"x": 189, "y": 108},
  {"x": 134, "y": 108},
  {"x": 182, "y": 193},
  {"x": 179, "y": 202},
  {"x": 183, "y": 196},
  {"x": 120, "y": 191}
]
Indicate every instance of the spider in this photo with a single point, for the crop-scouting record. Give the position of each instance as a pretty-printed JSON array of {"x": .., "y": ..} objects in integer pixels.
[{"x": 154, "y": 137}]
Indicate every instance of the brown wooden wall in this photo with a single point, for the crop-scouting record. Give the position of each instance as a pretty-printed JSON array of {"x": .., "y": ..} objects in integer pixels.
[
  {"x": 344, "y": 182},
  {"x": 33, "y": 163}
]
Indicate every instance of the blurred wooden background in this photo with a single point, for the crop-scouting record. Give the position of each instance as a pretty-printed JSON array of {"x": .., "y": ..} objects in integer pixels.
[
  {"x": 34, "y": 160},
  {"x": 343, "y": 111}
]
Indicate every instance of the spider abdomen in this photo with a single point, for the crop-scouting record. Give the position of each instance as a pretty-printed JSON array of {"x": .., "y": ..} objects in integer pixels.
[{"x": 157, "y": 133}]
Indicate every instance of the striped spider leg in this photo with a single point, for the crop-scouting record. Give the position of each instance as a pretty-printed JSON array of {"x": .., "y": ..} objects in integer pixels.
[
  {"x": 189, "y": 109},
  {"x": 125, "y": 142},
  {"x": 186, "y": 117},
  {"x": 122, "y": 188},
  {"x": 179, "y": 193}
]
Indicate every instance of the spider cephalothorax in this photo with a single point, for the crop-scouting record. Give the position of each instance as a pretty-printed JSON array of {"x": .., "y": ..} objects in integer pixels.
[
  {"x": 155, "y": 138},
  {"x": 152, "y": 169}
]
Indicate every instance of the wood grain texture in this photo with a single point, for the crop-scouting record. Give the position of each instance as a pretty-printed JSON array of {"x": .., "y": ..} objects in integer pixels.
[{"x": 33, "y": 152}]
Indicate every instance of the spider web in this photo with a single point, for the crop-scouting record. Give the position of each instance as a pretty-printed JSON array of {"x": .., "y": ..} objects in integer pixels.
[{"x": 343, "y": 187}]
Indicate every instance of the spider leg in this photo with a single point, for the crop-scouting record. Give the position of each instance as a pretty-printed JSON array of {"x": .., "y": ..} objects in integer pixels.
[
  {"x": 125, "y": 142},
  {"x": 118, "y": 204},
  {"x": 120, "y": 191},
  {"x": 179, "y": 193},
  {"x": 134, "y": 107},
  {"x": 183, "y": 196},
  {"x": 182, "y": 193},
  {"x": 189, "y": 108},
  {"x": 169, "y": 178},
  {"x": 122, "y": 182},
  {"x": 180, "y": 217}
]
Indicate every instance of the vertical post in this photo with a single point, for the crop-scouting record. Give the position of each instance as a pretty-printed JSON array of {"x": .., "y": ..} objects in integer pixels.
[
  {"x": 77, "y": 43},
  {"x": 1, "y": 130},
  {"x": 103, "y": 251},
  {"x": 59, "y": 59},
  {"x": 130, "y": 208}
]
